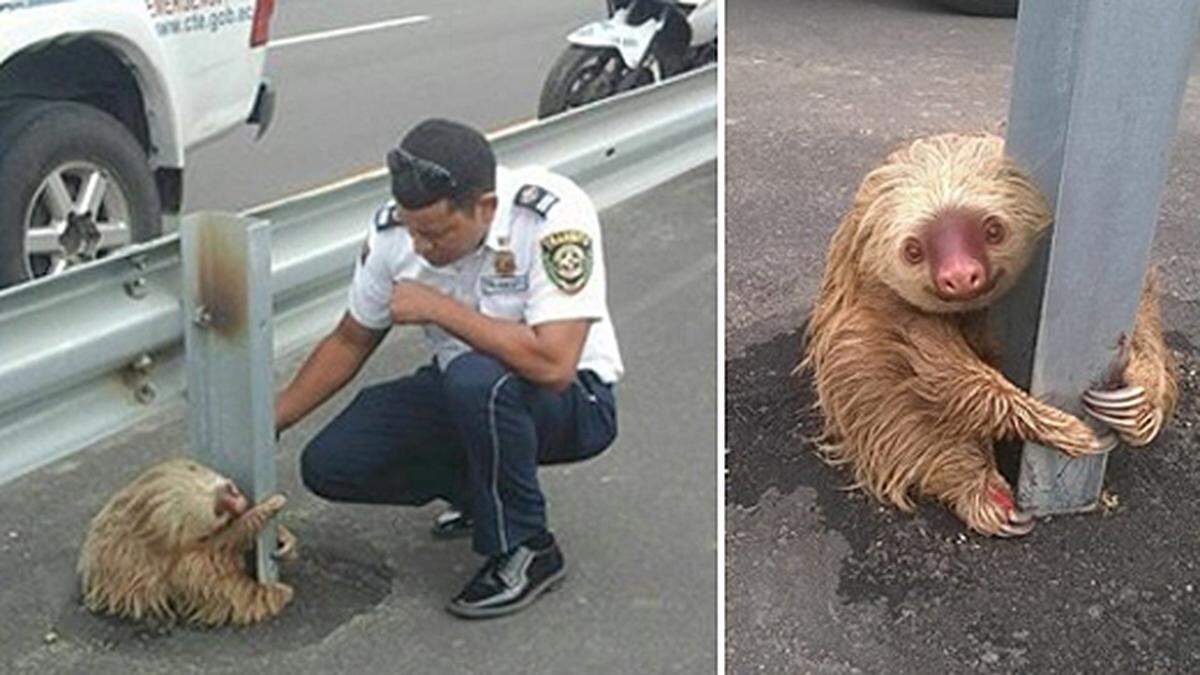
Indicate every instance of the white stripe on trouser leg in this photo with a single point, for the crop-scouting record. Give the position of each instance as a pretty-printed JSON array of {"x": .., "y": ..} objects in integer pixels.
[
  {"x": 586, "y": 393},
  {"x": 496, "y": 461}
]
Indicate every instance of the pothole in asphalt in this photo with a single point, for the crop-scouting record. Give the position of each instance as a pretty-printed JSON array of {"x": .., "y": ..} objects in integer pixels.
[{"x": 338, "y": 576}]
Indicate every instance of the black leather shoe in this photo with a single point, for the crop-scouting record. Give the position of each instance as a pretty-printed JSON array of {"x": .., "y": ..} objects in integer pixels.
[
  {"x": 452, "y": 524},
  {"x": 510, "y": 582}
]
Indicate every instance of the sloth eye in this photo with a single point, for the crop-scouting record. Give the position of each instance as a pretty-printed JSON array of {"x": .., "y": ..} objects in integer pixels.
[
  {"x": 994, "y": 232},
  {"x": 913, "y": 252}
]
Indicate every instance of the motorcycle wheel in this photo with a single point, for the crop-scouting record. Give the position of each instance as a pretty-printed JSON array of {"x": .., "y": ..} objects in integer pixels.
[{"x": 583, "y": 75}]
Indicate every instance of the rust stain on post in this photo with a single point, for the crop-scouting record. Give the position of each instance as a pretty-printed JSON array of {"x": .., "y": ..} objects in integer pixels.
[{"x": 222, "y": 282}]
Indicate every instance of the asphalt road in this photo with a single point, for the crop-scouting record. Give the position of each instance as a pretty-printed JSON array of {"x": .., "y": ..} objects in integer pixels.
[
  {"x": 637, "y": 524},
  {"x": 822, "y": 580},
  {"x": 343, "y": 101}
]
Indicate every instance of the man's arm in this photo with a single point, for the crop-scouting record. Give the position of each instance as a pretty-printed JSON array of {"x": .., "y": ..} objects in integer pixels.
[
  {"x": 546, "y": 354},
  {"x": 328, "y": 368}
]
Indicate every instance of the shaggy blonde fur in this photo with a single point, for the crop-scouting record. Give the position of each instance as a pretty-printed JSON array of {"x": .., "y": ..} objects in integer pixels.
[
  {"x": 1149, "y": 366},
  {"x": 908, "y": 382},
  {"x": 161, "y": 549}
]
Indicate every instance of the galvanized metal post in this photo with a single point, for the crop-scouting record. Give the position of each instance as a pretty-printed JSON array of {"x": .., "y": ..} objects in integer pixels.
[
  {"x": 228, "y": 334},
  {"x": 1097, "y": 87}
]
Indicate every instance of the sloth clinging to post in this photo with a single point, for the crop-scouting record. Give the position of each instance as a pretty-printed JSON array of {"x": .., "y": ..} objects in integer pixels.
[
  {"x": 905, "y": 370},
  {"x": 170, "y": 544}
]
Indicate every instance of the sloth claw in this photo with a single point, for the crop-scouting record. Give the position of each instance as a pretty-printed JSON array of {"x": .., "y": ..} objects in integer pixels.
[
  {"x": 1125, "y": 398},
  {"x": 1115, "y": 416},
  {"x": 1010, "y": 530},
  {"x": 1121, "y": 394},
  {"x": 1020, "y": 517},
  {"x": 1127, "y": 411},
  {"x": 285, "y": 545},
  {"x": 1013, "y": 521},
  {"x": 1122, "y": 409},
  {"x": 1120, "y": 423}
]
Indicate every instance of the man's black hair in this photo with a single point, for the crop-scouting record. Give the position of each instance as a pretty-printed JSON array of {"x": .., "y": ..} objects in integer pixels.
[{"x": 461, "y": 151}]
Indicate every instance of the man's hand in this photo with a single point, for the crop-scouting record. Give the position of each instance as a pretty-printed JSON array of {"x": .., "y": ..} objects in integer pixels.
[
  {"x": 416, "y": 303},
  {"x": 546, "y": 355}
]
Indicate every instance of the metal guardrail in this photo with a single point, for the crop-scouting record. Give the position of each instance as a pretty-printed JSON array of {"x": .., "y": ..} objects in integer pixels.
[{"x": 92, "y": 352}]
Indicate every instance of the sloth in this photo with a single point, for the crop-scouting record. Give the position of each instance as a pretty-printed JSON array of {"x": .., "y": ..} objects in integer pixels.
[
  {"x": 172, "y": 544},
  {"x": 898, "y": 345}
]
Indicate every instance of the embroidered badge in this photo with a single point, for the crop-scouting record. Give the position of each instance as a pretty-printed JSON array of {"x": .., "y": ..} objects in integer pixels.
[
  {"x": 537, "y": 198},
  {"x": 567, "y": 257},
  {"x": 504, "y": 262}
]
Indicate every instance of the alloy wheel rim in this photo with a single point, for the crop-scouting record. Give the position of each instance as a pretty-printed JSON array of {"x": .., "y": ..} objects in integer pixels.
[{"x": 78, "y": 213}]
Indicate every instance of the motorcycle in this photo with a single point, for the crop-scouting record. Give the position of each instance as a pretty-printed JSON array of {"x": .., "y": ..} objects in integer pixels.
[{"x": 642, "y": 42}]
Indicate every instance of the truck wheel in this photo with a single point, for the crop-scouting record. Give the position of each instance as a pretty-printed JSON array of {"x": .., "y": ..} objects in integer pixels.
[
  {"x": 76, "y": 186},
  {"x": 982, "y": 7}
]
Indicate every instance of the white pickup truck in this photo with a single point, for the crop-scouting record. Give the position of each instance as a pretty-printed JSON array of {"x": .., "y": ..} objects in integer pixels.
[{"x": 99, "y": 102}]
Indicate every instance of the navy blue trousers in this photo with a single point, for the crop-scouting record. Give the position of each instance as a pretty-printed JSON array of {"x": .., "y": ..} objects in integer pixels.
[{"x": 473, "y": 435}]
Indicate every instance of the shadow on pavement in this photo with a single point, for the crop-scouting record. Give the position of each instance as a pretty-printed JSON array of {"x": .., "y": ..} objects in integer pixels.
[{"x": 1115, "y": 590}]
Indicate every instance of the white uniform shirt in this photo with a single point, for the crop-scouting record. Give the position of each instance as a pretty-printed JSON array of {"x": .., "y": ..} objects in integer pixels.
[{"x": 548, "y": 240}]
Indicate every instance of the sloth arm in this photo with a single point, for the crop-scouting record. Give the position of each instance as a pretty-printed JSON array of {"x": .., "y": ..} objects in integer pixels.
[
  {"x": 1150, "y": 364},
  {"x": 1140, "y": 391},
  {"x": 977, "y": 400},
  {"x": 241, "y": 532}
]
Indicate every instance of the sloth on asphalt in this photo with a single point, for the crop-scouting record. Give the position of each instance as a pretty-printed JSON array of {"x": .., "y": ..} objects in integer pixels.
[
  {"x": 898, "y": 343},
  {"x": 171, "y": 545}
]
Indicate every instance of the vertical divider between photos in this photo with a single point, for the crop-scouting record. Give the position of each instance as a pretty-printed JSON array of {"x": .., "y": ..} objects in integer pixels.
[
  {"x": 226, "y": 262},
  {"x": 1096, "y": 92}
]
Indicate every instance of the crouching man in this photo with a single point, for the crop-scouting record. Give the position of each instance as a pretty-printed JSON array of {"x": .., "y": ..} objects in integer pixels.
[{"x": 504, "y": 270}]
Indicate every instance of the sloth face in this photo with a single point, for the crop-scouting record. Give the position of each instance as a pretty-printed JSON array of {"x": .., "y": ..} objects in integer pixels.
[
  {"x": 229, "y": 503},
  {"x": 953, "y": 222}
]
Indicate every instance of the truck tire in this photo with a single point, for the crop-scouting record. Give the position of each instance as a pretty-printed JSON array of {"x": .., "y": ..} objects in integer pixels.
[
  {"x": 982, "y": 7},
  {"x": 53, "y": 156}
]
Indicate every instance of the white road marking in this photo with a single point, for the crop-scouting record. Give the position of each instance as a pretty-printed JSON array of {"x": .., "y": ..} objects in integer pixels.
[
  {"x": 362, "y": 175},
  {"x": 328, "y": 187},
  {"x": 343, "y": 32}
]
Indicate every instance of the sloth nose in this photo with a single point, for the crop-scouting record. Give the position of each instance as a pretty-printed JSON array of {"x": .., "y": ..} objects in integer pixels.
[{"x": 961, "y": 278}]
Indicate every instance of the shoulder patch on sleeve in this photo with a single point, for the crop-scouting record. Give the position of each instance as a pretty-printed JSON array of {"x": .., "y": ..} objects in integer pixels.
[
  {"x": 567, "y": 258},
  {"x": 385, "y": 217},
  {"x": 536, "y": 198}
]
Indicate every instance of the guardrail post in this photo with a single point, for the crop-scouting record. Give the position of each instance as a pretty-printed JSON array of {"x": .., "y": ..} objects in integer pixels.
[
  {"x": 228, "y": 334},
  {"x": 1096, "y": 93}
]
